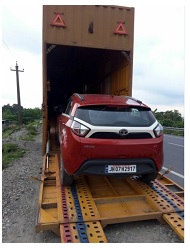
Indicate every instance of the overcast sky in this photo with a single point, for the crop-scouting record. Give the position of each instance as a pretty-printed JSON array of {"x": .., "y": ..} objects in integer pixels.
[{"x": 158, "y": 71}]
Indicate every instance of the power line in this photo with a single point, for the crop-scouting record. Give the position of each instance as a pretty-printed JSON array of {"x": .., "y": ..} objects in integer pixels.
[
  {"x": 5, "y": 45},
  {"x": 7, "y": 48}
]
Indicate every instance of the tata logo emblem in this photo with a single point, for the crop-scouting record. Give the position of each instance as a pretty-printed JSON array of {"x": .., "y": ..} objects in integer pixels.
[{"x": 123, "y": 132}]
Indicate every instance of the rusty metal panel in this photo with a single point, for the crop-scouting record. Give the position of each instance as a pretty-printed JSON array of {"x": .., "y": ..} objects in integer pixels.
[{"x": 108, "y": 27}]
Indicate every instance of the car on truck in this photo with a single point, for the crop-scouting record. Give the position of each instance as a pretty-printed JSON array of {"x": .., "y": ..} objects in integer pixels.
[
  {"x": 108, "y": 135},
  {"x": 87, "y": 49}
]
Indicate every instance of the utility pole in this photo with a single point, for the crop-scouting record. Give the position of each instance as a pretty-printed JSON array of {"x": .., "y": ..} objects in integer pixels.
[{"x": 18, "y": 94}]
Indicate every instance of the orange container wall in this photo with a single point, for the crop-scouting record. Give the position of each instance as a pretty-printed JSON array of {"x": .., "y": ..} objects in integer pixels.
[
  {"x": 89, "y": 26},
  {"x": 119, "y": 81}
]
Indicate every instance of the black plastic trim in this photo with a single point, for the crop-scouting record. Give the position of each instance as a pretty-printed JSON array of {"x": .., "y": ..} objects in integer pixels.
[{"x": 97, "y": 167}]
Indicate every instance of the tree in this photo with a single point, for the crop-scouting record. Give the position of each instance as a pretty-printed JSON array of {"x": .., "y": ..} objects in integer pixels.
[
  {"x": 170, "y": 118},
  {"x": 28, "y": 115}
]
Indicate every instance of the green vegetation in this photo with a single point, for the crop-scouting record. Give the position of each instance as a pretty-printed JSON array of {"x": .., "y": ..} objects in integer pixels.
[
  {"x": 171, "y": 119},
  {"x": 10, "y": 152},
  {"x": 28, "y": 115},
  {"x": 32, "y": 131},
  {"x": 8, "y": 131},
  {"x": 31, "y": 119},
  {"x": 174, "y": 132}
]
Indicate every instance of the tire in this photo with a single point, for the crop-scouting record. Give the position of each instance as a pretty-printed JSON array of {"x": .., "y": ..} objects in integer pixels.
[
  {"x": 147, "y": 178},
  {"x": 65, "y": 179}
]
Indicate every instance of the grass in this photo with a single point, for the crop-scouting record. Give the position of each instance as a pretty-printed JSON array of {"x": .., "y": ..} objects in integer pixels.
[
  {"x": 30, "y": 136},
  {"x": 9, "y": 130},
  {"x": 32, "y": 131},
  {"x": 173, "y": 132},
  {"x": 10, "y": 152}
]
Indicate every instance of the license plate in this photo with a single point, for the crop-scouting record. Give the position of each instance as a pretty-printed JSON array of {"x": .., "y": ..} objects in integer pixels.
[{"x": 121, "y": 168}]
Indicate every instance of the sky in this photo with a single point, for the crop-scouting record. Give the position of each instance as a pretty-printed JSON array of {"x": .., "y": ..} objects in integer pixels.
[{"x": 159, "y": 52}]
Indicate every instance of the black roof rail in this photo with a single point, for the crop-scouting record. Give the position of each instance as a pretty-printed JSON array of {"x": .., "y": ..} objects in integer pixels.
[
  {"x": 79, "y": 96},
  {"x": 134, "y": 99}
]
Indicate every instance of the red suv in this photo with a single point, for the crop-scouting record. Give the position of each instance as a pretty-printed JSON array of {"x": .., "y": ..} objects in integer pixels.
[{"x": 109, "y": 135}]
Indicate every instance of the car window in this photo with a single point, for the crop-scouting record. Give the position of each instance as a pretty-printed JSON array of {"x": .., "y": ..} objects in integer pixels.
[
  {"x": 68, "y": 108},
  {"x": 116, "y": 116}
]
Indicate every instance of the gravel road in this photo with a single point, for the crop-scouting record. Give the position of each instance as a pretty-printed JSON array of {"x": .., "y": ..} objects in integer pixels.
[{"x": 20, "y": 197}]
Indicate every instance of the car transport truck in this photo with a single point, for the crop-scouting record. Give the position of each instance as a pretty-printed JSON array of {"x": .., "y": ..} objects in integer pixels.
[{"x": 87, "y": 50}]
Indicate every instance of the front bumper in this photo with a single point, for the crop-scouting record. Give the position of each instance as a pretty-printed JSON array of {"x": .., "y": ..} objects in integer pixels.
[{"x": 98, "y": 167}]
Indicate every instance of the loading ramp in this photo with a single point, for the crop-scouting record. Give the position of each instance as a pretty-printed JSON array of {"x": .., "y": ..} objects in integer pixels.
[{"x": 79, "y": 213}]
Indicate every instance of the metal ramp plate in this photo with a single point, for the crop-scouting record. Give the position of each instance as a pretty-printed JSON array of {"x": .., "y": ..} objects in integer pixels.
[
  {"x": 78, "y": 204},
  {"x": 82, "y": 232},
  {"x": 176, "y": 221},
  {"x": 117, "y": 201},
  {"x": 47, "y": 216},
  {"x": 162, "y": 198},
  {"x": 171, "y": 185}
]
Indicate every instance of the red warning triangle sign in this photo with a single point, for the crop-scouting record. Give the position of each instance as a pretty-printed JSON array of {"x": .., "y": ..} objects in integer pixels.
[
  {"x": 58, "y": 21},
  {"x": 120, "y": 29}
]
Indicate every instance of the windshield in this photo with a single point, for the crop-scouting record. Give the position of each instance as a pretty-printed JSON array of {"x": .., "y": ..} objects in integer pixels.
[{"x": 116, "y": 116}]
